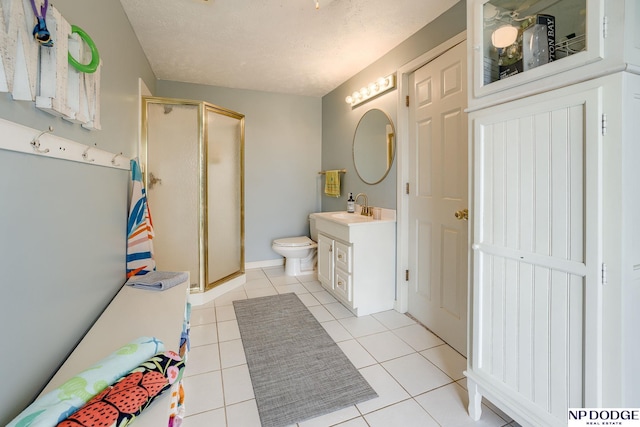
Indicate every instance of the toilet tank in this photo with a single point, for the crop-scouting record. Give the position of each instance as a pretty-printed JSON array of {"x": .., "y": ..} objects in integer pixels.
[{"x": 312, "y": 228}]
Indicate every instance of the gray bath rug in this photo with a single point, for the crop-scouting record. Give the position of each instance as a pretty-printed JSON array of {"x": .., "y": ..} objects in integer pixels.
[{"x": 297, "y": 370}]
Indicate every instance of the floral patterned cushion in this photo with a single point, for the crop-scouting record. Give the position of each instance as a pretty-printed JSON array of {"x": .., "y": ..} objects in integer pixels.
[{"x": 119, "y": 404}]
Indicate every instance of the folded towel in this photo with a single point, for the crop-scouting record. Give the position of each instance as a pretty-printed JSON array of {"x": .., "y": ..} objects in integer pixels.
[
  {"x": 58, "y": 404},
  {"x": 121, "y": 403},
  {"x": 332, "y": 183},
  {"x": 157, "y": 280}
]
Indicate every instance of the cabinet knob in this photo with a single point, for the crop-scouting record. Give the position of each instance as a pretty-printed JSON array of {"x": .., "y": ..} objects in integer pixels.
[{"x": 340, "y": 256}]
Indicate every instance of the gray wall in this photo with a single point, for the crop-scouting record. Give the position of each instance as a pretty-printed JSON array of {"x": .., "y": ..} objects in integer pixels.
[
  {"x": 63, "y": 224},
  {"x": 282, "y": 159},
  {"x": 339, "y": 119}
]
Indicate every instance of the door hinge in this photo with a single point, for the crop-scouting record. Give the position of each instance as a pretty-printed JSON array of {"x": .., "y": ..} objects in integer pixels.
[
  {"x": 604, "y": 124},
  {"x": 605, "y": 27},
  {"x": 406, "y": 188},
  {"x": 406, "y": 275},
  {"x": 604, "y": 273},
  {"x": 407, "y": 101}
]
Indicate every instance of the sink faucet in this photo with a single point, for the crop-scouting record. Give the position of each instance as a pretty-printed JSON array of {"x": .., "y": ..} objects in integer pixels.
[{"x": 366, "y": 210}]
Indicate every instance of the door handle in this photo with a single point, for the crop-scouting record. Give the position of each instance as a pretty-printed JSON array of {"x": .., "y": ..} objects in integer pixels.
[{"x": 462, "y": 215}]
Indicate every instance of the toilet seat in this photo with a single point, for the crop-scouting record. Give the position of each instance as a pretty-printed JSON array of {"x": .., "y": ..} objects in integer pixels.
[{"x": 294, "y": 241}]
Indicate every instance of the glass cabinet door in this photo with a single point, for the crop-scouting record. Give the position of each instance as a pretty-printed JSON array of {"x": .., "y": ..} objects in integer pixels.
[{"x": 517, "y": 41}]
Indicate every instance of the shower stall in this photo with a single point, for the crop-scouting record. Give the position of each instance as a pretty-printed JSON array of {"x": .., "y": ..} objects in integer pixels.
[{"x": 192, "y": 154}]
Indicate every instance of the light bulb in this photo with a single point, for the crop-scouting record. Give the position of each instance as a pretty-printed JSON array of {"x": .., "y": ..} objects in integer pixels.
[
  {"x": 348, "y": 100},
  {"x": 364, "y": 92},
  {"x": 504, "y": 36}
]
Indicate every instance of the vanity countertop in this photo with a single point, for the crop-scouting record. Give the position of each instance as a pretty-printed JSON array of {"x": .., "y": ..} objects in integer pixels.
[{"x": 355, "y": 219}]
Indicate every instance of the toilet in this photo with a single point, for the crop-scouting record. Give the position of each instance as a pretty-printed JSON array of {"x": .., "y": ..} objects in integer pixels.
[{"x": 299, "y": 252}]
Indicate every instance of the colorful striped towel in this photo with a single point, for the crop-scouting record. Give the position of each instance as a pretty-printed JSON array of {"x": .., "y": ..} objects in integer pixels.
[
  {"x": 139, "y": 228},
  {"x": 332, "y": 183},
  {"x": 58, "y": 404}
]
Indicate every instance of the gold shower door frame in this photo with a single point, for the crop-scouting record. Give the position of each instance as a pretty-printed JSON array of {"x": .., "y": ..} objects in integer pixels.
[{"x": 205, "y": 282}]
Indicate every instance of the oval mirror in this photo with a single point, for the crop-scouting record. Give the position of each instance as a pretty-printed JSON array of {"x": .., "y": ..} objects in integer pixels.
[{"x": 373, "y": 146}]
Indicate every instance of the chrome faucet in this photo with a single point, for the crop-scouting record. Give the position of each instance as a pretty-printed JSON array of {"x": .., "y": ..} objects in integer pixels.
[{"x": 366, "y": 210}]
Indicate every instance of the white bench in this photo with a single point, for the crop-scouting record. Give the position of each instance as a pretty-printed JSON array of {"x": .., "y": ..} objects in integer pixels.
[{"x": 132, "y": 313}]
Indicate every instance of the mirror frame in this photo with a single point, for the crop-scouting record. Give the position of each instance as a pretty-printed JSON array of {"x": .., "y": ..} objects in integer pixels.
[{"x": 390, "y": 144}]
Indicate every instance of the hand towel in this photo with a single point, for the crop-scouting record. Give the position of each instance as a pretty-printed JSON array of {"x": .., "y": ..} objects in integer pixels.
[
  {"x": 332, "y": 183},
  {"x": 157, "y": 280},
  {"x": 58, "y": 404}
]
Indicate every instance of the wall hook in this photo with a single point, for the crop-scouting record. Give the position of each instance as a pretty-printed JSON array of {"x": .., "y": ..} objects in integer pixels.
[
  {"x": 113, "y": 161},
  {"x": 35, "y": 142},
  {"x": 85, "y": 155}
]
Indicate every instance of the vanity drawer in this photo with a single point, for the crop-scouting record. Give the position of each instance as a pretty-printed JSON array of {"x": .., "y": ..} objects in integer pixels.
[
  {"x": 343, "y": 286},
  {"x": 343, "y": 256}
]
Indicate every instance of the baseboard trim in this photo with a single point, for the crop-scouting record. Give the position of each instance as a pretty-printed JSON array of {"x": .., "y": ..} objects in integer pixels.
[{"x": 263, "y": 264}]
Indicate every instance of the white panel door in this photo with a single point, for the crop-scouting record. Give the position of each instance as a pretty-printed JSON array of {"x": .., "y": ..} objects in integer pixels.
[
  {"x": 438, "y": 241},
  {"x": 536, "y": 254}
]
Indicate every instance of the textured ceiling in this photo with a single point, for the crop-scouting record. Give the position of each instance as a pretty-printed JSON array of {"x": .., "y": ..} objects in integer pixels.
[{"x": 285, "y": 46}]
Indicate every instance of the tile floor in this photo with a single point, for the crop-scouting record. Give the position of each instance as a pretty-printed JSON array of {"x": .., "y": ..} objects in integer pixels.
[{"x": 417, "y": 376}]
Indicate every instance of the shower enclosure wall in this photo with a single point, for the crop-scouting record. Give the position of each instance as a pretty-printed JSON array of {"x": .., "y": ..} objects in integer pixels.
[{"x": 193, "y": 163}]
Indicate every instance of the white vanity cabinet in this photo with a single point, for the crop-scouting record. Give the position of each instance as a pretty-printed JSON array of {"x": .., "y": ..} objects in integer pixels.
[
  {"x": 584, "y": 39},
  {"x": 356, "y": 260}
]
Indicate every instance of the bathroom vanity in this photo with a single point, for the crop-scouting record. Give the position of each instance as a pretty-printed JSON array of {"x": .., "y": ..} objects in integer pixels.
[{"x": 357, "y": 259}]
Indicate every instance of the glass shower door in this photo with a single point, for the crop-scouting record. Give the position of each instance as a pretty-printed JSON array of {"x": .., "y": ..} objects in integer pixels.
[{"x": 192, "y": 157}]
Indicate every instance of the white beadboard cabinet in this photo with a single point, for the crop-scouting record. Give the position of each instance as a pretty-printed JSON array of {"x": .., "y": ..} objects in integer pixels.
[{"x": 555, "y": 266}]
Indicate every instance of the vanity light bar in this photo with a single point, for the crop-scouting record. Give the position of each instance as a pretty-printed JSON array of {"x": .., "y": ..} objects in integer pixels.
[{"x": 381, "y": 85}]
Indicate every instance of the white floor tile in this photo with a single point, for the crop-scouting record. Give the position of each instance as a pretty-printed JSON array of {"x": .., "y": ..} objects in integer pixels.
[
  {"x": 217, "y": 373},
  {"x": 321, "y": 314},
  {"x": 260, "y": 283},
  {"x": 203, "y": 316},
  {"x": 225, "y": 312},
  {"x": 356, "y": 422},
  {"x": 313, "y": 286},
  {"x": 203, "y": 335},
  {"x": 203, "y": 359},
  {"x": 237, "y": 384},
  {"x": 418, "y": 337},
  {"x": 447, "y": 359},
  {"x": 332, "y": 418},
  {"x": 338, "y": 310},
  {"x": 308, "y": 300},
  {"x": 307, "y": 276},
  {"x": 209, "y": 418},
  {"x": 385, "y": 346},
  {"x": 284, "y": 280},
  {"x": 393, "y": 320},
  {"x": 232, "y": 354},
  {"x": 336, "y": 331},
  {"x": 254, "y": 273},
  {"x": 448, "y": 406},
  {"x": 388, "y": 389},
  {"x": 324, "y": 297},
  {"x": 296, "y": 288},
  {"x": 416, "y": 374},
  {"x": 229, "y": 298},
  {"x": 361, "y": 326},
  {"x": 243, "y": 414},
  {"x": 261, "y": 292},
  {"x": 203, "y": 392},
  {"x": 357, "y": 354},
  {"x": 274, "y": 271},
  {"x": 228, "y": 331},
  {"x": 406, "y": 414}
]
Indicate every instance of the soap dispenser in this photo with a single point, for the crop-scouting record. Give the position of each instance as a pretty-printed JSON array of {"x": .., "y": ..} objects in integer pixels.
[{"x": 351, "y": 204}]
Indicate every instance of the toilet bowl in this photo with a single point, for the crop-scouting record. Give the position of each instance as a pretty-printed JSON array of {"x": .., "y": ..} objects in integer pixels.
[{"x": 299, "y": 252}]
